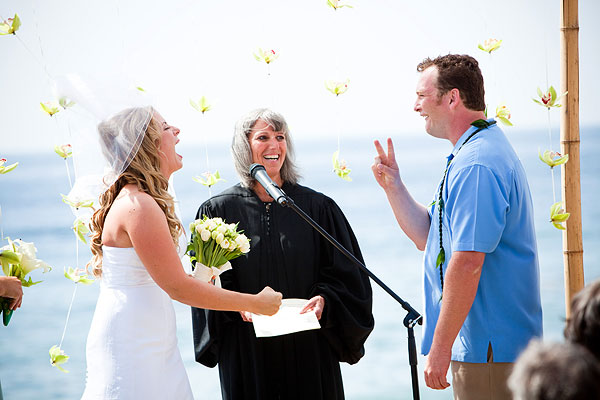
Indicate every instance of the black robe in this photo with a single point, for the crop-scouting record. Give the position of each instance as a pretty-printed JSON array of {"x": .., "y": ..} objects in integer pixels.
[{"x": 288, "y": 255}]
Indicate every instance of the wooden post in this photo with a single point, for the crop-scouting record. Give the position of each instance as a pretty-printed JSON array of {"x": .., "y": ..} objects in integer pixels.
[{"x": 569, "y": 140}]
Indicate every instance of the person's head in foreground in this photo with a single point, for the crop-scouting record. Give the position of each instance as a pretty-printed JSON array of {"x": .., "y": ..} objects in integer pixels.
[
  {"x": 583, "y": 326},
  {"x": 443, "y": 81},
  {"x": 139, "y": 146},
  {"x": 555, "y": 371},
  {"x": 262, "y": 136}
]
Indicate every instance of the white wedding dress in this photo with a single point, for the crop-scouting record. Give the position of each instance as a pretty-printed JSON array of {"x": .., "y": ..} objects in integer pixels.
[{"x": 132, "y": 348}]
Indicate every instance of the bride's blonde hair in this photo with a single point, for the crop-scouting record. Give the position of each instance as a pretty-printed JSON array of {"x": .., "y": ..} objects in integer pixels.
[{"x": 144, "y": 172}]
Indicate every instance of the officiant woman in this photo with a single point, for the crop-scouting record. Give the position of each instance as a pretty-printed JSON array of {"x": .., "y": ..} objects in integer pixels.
[{"x": 289, "y": 256}]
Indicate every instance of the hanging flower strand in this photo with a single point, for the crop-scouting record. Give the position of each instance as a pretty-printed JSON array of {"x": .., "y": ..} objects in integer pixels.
[
  {"x": 208, "y": 179},
  {"x": 335, "y": 4},
  {"x": 490, "y": 45},
  {"x": 558, "y": 215},
  {"x": 8, "y": 168},
  {"x": 65, "y": 103},
  {"x": 81, "y": 229},
  {"x": 267, "y": 56},
  {"x": 549, "y": 98},
  {"x": 58, "y": 357},
  {"x": 553, "y": 158},
  {"x": 77, "y": 203},
  {"x": 337, "y": 87},
  {"x": 10, "y": 26},
  {"x": 201, "y": 105},
  {"x": 50, "y": 107},
  {"x": 503, "y": 114},
  {"x": 340, "y": 168},
  {"x": 65, "y": 151}
]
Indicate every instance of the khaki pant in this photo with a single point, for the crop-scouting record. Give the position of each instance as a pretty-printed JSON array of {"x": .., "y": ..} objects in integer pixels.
[{"x": 481, "y": 381}]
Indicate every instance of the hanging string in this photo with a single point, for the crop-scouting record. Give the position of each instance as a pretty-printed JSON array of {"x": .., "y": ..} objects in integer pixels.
[
  {"x": 549, "y": 118},
  {"x": 120, "y": 25},
  {"x": 1, "y": 230},
  {"x": 39, "y": 37},
  {"x": 68, "y": 316},
  {"x": 40, "y": 63},
  {"x": 207, "y": 159},
  {"x": 271, "y": 85}
]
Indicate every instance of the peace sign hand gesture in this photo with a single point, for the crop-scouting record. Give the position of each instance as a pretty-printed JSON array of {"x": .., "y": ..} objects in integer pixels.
[{"x": 385, "y": 169}]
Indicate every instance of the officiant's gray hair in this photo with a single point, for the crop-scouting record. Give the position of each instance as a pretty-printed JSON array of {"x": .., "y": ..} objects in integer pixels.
[{"x": 242, "y": 153}]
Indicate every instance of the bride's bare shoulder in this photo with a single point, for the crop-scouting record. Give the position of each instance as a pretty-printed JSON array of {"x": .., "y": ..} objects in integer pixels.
[{"x": 132, "y": 202}]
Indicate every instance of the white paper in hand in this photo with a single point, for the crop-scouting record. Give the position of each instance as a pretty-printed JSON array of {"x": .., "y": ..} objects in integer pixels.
[{"x": 287, "y": 320}]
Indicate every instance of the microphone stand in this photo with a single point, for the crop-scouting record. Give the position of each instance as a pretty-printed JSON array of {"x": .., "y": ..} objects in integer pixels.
[{"x": 412, "y": 317}]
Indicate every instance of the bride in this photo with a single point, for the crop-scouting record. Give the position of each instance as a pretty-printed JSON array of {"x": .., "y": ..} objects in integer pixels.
[{"x": 136, "y": 245}]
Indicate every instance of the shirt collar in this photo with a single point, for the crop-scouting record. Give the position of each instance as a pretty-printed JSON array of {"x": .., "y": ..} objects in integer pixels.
[{"x": 463, "y": 138}]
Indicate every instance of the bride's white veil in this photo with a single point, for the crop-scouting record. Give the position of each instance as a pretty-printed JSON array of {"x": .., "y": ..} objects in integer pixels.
[{"x": 107, "y": 127}]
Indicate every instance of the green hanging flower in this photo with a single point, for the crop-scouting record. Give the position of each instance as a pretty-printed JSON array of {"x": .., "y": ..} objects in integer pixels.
[
  {"x": 549, "y": 98},
  {"x": 340, "y": 167},
  {"x": 58, "y": 357},
  {"x": 335, "y": 4},
  {"x": 558, "y": 215},
  {"x": 81, "y": 229},
  {"x": 267, "y": 56},
  {"x": 10, "y": 26},
  {"x": 202, "y": 105},
  {"x": 65, "y": 102},
  {"x": 209, "y": 178},
  {"x": 337, "y": 87},
  {"x": 77, "y": 203},
  {"x": 64, "y": 150},
  {"x": 503, "y": 114},
  {"x": 50, "y": 107},
  {"x": 553, "y": 158},
  {"x": 8, "y": 168},
  {"x": 490, "y": 45},
  {"x": 77, "y": 275}
]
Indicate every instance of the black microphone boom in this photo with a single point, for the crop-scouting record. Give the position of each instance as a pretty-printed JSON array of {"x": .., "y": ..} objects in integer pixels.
[{"x": 259, "y": 173}]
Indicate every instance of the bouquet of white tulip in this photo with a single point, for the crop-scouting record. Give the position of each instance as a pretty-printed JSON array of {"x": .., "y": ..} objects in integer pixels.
[
  {"x": 18, "y": 259},
  {"x": 214, "y": 242}
]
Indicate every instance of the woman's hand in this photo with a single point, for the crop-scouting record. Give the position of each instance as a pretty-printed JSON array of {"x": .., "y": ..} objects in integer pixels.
[
  {"x": 10, "y": 286},
  {"x": 268, "y": 301},
  {"x": 246, "y": 316},
  {"x": 317, "y": 304}
]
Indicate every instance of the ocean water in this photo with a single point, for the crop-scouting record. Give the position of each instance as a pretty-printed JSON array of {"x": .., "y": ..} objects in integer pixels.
[{"x": 33, "y": 211}]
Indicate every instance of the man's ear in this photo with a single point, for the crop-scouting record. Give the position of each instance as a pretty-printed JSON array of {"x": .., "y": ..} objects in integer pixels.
[{"x": 454, "y": 98}]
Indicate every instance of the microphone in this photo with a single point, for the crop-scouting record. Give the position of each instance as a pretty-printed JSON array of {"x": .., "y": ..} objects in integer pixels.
[{"x": 259, "y": 173}]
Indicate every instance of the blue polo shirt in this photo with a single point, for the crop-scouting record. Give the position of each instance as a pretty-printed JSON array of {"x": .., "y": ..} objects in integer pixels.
[{"x": 488, "y": 209}]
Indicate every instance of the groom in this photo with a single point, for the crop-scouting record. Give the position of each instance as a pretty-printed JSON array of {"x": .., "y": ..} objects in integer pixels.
[{"x": 481, "y": 284}]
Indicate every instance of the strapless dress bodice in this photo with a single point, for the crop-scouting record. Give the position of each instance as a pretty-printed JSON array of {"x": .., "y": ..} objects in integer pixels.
[{"x": 121, "y": 266}]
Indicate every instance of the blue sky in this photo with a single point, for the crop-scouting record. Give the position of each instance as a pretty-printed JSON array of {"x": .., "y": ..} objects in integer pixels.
[{"x": 186, "y": 49}]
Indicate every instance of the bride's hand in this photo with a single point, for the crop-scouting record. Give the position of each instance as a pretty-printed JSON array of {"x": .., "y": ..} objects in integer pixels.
[{"x": 268, "y": 301}]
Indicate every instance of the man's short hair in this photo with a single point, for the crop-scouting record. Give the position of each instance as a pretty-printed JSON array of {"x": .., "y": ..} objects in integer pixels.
[
  {"x": 583, "y": 325},
  {"x": 555, "y": 371},
  {"x": 461, "y": 72}
]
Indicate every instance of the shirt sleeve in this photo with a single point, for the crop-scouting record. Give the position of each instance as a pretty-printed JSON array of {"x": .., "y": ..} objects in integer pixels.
[{"x": 476, "y": 207}]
